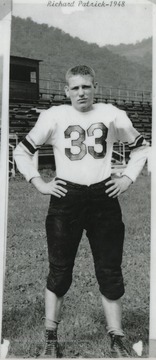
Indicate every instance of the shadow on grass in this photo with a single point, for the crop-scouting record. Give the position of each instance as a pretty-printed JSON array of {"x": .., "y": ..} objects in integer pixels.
[
  {"x": 25, "y": 330},
  {"x": 136, "y": 325}
]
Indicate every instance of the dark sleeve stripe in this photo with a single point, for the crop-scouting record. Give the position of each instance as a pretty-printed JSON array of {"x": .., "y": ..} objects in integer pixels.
[
  {"x": 27, "y": 144},
  {"x": 138, "y": 142}
]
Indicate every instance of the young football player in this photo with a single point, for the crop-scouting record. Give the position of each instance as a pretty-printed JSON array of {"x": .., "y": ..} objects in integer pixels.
[{"x": 83, "y": 196}]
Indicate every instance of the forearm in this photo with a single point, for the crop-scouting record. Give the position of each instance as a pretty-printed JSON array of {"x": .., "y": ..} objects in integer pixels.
[
  {"x": 138, "y": 157},
  {"x": 26, "y": 166},
  {"x": 25, "y": 163},
  {"x": 54, "y": 187},
  {"x": 38, "y": 183},
  {"x": 127, "y": 180}
]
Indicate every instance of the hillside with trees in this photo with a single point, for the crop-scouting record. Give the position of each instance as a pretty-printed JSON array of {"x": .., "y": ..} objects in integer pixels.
[
  {"x": 60, "y": 50},
  {"x": 141, "y": 52}
]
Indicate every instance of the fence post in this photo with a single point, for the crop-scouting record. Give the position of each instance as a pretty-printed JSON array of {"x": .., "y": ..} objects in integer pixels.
[
  {"x": 119, "y": 94},
  {"x": 152, "y": 328},
  {"x": 5, "y": 28},
  {"x": 110, "y": 93},
  {"x": 36, "y": 159},
  {"x": 59, "y": 91}
]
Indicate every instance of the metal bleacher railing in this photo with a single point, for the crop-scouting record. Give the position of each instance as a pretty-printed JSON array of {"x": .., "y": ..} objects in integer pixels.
[
  {"x": 53, "y": 89},
  {"x": 125, "y": 95}
]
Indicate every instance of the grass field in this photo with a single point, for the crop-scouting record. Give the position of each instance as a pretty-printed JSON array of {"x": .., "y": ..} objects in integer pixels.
[{"x": 82, "y": 331}]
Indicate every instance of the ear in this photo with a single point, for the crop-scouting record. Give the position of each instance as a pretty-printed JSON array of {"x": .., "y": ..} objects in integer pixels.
[{"x": 66, "y": 89}]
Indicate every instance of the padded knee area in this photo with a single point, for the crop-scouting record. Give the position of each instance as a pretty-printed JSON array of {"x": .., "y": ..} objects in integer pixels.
[
  {"x": 59, "y": 280},
  {"x": 111, "y": 283}
]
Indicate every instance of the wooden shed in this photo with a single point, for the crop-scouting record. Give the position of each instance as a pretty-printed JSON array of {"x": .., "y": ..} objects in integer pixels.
[{"x": 24, "y": 78}]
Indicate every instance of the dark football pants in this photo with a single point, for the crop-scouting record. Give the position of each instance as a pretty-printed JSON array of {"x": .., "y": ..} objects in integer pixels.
[{"x": 90, "y": 208}]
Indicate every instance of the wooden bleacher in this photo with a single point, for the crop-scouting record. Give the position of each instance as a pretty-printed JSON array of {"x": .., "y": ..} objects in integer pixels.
[{"x": 22, "y": 118}]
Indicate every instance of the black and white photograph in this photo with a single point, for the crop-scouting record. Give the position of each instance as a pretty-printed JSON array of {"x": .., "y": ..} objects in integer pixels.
[{"x": 77, "y": 246}]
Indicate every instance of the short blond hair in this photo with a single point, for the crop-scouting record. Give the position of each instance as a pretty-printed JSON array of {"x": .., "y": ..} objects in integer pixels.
[{"x": 80, "y": 70}]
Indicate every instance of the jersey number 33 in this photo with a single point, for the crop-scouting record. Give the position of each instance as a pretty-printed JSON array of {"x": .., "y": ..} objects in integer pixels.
[{"x": 79, "y": 142}]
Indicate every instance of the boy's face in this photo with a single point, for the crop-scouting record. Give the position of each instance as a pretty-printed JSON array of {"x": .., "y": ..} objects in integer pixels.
[{"x": 80, "y": 90}]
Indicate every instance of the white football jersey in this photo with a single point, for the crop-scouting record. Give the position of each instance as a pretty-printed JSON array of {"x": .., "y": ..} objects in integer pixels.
[{"x": 82, "y": 143}]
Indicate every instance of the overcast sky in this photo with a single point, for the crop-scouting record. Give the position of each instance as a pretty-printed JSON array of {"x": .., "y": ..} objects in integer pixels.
[{"x": 102, "y": 25}]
